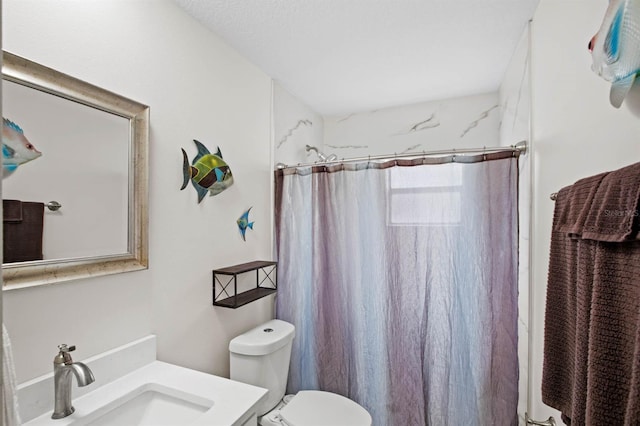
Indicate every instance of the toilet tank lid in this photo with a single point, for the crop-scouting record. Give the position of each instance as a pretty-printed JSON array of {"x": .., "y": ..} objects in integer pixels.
[{"x": 263, "y": 339}]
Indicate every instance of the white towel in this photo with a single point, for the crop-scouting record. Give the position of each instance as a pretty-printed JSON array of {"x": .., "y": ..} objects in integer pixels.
[{"x": 9, "y": 387}]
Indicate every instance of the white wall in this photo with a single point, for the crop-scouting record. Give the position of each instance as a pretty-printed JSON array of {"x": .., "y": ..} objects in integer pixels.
[
  {"x": 466, "y": 122},
  {"x": 576, "y": 133},
  {"x": 515, "y": 103},
  {"x": 197, "y": 87}
]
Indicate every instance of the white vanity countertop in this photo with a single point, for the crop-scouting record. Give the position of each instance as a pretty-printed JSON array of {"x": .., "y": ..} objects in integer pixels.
[{"x": 231, "y": 400}]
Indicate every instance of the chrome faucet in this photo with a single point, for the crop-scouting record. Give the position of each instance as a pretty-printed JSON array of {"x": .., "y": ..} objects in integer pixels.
[{"x": 63, "y": 366}]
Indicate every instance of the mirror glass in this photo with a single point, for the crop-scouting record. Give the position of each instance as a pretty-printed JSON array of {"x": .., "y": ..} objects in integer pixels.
[{"x": 74, "y": 183}]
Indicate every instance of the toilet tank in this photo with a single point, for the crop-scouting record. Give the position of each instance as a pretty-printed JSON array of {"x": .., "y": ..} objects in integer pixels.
[{"x": 261, "y": 357}]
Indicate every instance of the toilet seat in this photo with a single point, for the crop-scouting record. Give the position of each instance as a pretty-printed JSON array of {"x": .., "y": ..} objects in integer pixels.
[{"x": 318, "y": 408}]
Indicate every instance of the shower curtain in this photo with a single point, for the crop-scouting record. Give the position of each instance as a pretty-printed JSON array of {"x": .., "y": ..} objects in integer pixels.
[{"x": 401, "y": 280}]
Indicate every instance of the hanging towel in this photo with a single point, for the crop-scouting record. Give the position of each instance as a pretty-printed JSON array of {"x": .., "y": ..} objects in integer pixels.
[
  {"x": 591, "y": 370},
  {"x": 22, "y": 240},
  {"x": 564, "y": 306},
  {"x": 9, "y": 387},
  {"x": 571, "y": 215},
  {"x": 615, "y": 212}
]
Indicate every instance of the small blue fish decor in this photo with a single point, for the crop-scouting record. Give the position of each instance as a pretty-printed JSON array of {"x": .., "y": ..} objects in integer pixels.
[
  {"x": 615, "y": 48},
  {"x": 208, "y": 172},
  {"x": 16, "y": 148},
  {"x": 243, "y": 223}
]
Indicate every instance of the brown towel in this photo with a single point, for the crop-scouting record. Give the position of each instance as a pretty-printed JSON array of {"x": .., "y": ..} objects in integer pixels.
[
  {"x": 12, "y": 210},
  {"x": 591, "y": 370},
  {"x": 573, "y": 214},
  {"x": 615, "y": 211},
  {"x": 559, "y": 378},
  {"x": 22, "y": 240}
]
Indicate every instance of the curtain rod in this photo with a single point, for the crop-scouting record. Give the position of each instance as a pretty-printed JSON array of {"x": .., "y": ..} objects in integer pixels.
[{"x": 519, "y": 148}]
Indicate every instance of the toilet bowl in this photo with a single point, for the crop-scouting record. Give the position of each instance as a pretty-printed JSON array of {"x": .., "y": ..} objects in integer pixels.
[
  {"x": 316, "y": 408},
  {"x": 261, "y": 357}
]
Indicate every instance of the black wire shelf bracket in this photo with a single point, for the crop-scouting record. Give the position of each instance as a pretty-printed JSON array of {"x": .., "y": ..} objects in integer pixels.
[{"x": 223, "y": 287}]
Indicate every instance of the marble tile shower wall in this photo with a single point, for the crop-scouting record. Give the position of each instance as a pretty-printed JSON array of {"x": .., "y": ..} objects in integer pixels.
[
  {"x": 515, "y": 99},
  {"x": 295, "y": 125},
  {"x": 467, "y": 122}
]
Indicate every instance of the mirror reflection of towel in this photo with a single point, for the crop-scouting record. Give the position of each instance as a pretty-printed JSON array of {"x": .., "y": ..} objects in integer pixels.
[
  {"x": 12, "y": 211},
  {"x": 22, "y": 227}
]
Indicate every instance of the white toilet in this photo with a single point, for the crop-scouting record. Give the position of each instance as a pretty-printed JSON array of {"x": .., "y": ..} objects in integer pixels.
[{"x": 261, "y": 357}]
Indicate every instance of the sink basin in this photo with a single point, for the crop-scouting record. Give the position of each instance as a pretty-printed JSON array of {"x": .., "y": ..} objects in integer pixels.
[
  {"x": 158, "y": 394},
  {"x": 149, "y": 405}
]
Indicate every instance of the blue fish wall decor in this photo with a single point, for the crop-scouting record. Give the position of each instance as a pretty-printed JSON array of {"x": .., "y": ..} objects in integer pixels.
[
  {"x": 16, "y": 148},
  {"x": 243, "y": 223},
  {"x": 207, "y": 172},
  {"x": 615, "y": 48}
]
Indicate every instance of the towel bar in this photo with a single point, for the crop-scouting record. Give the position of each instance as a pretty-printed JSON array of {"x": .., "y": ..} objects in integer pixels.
[
  {"x": 54, "y": 206},
  {"x": 549, "y": 422}
]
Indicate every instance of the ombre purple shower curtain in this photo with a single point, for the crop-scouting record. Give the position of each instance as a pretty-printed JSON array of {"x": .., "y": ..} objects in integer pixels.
[{"x": 401, "y": 280}]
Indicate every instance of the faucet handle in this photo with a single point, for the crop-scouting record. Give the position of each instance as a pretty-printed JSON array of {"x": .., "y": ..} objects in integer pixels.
[
  {"x": 64, "y": 348},
  {"x": 64, "y": 357}
]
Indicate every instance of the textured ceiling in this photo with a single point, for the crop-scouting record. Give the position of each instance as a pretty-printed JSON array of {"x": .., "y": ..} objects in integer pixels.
[{"x": 344, "y": 56}]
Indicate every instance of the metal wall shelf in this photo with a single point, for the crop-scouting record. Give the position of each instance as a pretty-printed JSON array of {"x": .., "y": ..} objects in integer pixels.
[{"x": 229, "y": 297}]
